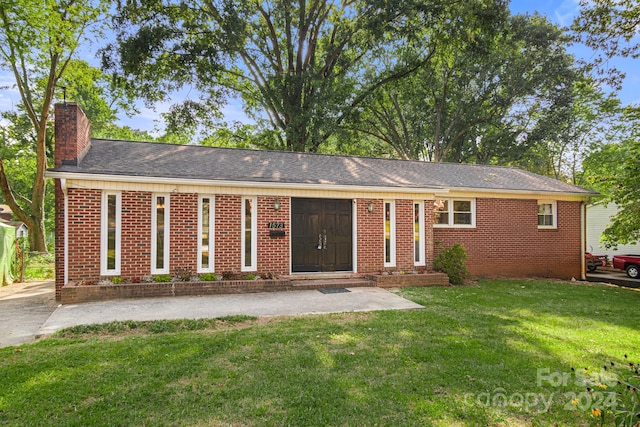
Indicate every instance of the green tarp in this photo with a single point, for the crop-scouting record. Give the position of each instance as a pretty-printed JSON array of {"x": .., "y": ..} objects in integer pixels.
[{"x": 7, "y": 253}]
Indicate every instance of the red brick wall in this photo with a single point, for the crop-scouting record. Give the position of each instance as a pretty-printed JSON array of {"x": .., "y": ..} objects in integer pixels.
[
  {"x": 370, "y": 236},
  {"x": 273, "y": 252},
  {"x": 428, "y": 234},
  {"x": 507, "y": 242},
  {"x": 72, "y": 133},
  {"x": 135, "y": 260},
  {"x": 59, "y": 238},
  {"x": 183, "y": 232},
  {"x": 404, "y": 235},
  {"x": 84, "y": 234},
  {"x": 228, "y": 232}
]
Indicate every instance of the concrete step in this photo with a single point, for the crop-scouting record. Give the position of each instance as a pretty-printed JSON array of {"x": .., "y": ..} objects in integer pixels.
[{"x": 331, "y": 283}]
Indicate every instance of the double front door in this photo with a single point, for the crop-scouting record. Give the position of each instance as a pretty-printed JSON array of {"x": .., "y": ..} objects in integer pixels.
[{"x": 321, "y": 235}]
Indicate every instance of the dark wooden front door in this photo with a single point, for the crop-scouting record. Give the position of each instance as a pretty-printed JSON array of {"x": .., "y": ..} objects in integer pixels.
[{"x": 321, "y": 235}]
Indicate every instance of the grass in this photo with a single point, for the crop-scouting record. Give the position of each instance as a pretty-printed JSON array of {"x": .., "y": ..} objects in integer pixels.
[{"x": 446, "y": 365}]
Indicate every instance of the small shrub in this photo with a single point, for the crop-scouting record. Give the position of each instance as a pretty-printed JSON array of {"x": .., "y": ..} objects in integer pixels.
[
  {"x": 250, "y": 276},
  {"x": 228, "y": 275},
  {"x": 105, "y": 282},
  {"x": 451, "y": 261},
  {"x": 162, "y": 278},
  {"x": 147, "y": 279},
  {"x": 116, "y": 280},
  {"x": 208, "y": 277},
  {"x": 182, "y": 274}
]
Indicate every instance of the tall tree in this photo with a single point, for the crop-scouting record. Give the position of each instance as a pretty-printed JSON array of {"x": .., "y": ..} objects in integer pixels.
[
  {"x": 610, "y": 27},
  {"x": 613, "y": 170},
  {"x": 37, "y": 42},
  {"x": 299, "y": 64},
  {"x": 482, "y": 95}
]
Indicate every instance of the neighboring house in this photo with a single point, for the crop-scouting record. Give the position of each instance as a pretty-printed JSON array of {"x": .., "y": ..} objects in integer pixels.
[
  {"x": 6, "y": 213},
  {"x": 598, "y": 218},
  {"x": 133, "y": 209},
  {"x": 6, "y": 217}
]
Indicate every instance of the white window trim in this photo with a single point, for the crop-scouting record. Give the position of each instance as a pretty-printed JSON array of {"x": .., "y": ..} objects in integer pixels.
[
  {"x": 154, "y": 224},
  {"x": 210, "y": 267},
  {"x": 421, "y": 254},
  {"x": 104, "y": 233},
  {"x": 451, "y": 215},
  {"x": 554, "y": 212},
  {"x": 392, "y": 232},
  {"x": 254, "y": 235}
]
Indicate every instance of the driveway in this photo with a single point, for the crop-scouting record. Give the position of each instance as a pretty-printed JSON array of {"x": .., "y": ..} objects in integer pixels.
[
  {"x": 24, "y": 308},
  {"x": 617, "y": 277}
]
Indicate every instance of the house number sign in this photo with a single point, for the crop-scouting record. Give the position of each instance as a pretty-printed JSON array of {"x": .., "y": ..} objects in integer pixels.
[{"x": 275, "y": 225}]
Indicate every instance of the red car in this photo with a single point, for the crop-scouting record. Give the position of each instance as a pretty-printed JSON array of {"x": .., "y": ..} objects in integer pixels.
[
  {"x": 630, "y": 263},
  {"x": 595, "y": 261}
]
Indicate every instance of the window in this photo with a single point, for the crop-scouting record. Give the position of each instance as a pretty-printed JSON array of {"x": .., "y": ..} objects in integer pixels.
[
  {"x": 454, "y": 213},
  {"x": 547, "y": 214},
  {"x": 249, "y": 233},
  {"x": 389, "y": 234},
  {"x": 418, "y": 233},
  {"x": 110, "y": 233},
  {"x": 160, "y": 234},
  {"x": 205, "y": 234}
]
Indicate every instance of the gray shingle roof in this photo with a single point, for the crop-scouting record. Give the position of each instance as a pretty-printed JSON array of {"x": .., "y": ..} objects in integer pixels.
[{"x": 143, "y": 159}]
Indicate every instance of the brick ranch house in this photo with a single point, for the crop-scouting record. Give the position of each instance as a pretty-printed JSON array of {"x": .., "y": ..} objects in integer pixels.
[{"x": 130, "y": 209}]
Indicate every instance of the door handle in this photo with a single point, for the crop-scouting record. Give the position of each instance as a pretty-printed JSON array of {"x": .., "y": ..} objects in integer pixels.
[
  {"x": 324, "y": 240},
  {"x": 319, "y": 242}
]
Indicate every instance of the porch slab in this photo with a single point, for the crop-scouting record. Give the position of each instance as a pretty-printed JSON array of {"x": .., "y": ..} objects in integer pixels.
[{"x": 213, "y": 306}]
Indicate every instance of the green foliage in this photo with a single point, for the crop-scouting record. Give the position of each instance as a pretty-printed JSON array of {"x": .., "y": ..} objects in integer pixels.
[
  {"x": 610, "y": 394},
  {"x": 38, "y": 41},
  {"x": 116, "y": 280},
  {"x": 162, "y": 278},
  {"x": 609, "y": 27},
  {"x": 451, "y": 261},
  {"x": 208, "y": 277},
  {"x": 614, "y": 171},
  {"x": 485, "y": 94},
  {"x": 38, "y": 266},
  {"x": 298, "y": 67}
]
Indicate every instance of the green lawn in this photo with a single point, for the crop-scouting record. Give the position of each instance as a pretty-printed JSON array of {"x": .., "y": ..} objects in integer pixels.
[{"x": 451, "y": 364}]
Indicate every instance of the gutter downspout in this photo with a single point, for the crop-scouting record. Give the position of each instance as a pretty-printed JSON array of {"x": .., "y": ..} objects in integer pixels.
[
  {"x": 583, "y": 243},
  {"x": 63, "y": 187}
]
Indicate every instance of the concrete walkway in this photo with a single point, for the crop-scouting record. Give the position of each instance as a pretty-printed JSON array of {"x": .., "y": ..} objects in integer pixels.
[
  {"x": 258, "y": 304},
  {"x": 24, "y": 307}
]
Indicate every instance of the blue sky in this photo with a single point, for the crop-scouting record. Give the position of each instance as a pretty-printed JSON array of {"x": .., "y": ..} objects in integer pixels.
[{"x": 560, "y": 12}]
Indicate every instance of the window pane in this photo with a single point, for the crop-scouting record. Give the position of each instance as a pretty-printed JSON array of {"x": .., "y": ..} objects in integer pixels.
[
  {"x": 111, "y": 231},
  {"x": 441, "y": 212},
  {"x": 416, "y": 232},
  {"x": 160, "y": 232},
  {"x": 545, "y": 214},
  {"x": 462, "y": 218},
  {"x": 387, "y": 232},
  {"x": 462, "y": 206},
  {"x": 247, "y": 232},
  {"x": 204, "y": 244}
]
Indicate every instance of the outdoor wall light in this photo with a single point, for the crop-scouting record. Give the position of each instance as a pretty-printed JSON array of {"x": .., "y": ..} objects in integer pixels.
[
  {"x": 276, "y": 204},
  {"x": 370, "y": 207}
]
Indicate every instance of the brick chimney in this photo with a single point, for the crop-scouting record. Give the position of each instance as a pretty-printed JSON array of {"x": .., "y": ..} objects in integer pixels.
[{"x": 72, "y": 133}]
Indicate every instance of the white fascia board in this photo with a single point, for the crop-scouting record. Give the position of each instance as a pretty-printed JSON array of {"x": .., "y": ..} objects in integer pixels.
[
  {"x": 246, "y": 184},
  {"x": 527, "y": 192}
]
